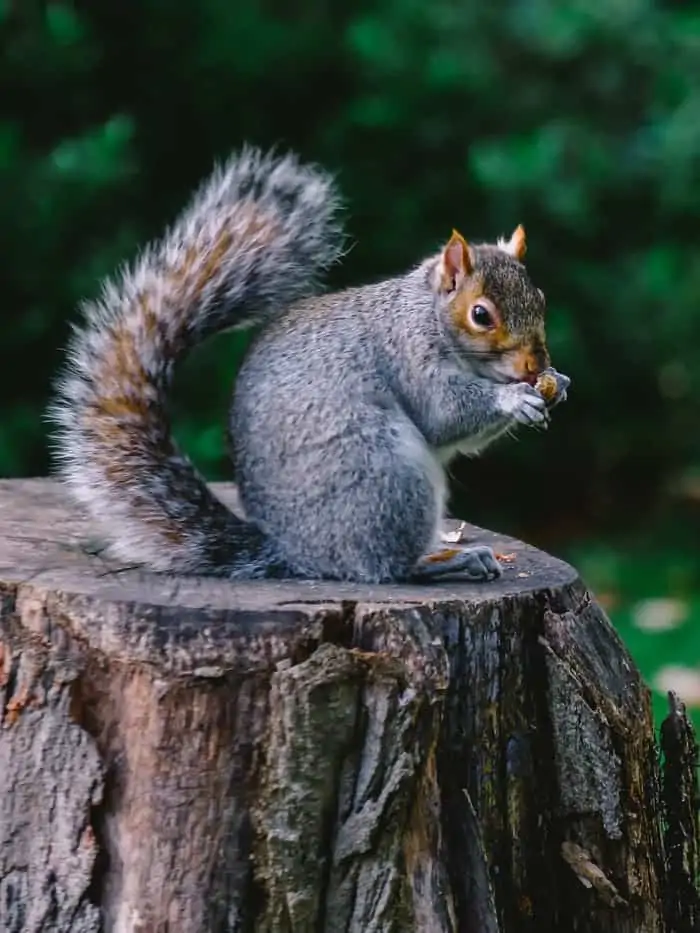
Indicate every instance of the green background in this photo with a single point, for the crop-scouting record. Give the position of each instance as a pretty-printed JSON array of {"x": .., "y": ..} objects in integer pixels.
[{"x": 579, "y": 119}]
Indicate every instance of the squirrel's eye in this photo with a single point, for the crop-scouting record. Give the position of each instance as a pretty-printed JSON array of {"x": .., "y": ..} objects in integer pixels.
[{"x": 481, "y": 316}]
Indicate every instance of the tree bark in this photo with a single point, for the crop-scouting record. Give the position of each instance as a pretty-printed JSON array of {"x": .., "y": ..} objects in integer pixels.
[{"x": 189, "y": 755}]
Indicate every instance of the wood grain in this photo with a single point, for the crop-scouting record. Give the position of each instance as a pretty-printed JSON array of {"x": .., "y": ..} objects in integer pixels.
[{"x": 189, "y": 755}]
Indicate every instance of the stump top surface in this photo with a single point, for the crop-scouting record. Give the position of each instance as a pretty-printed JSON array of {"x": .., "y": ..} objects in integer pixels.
[
  {"x": 48, "y": 569},
  {"x": 44, "y": 539}
]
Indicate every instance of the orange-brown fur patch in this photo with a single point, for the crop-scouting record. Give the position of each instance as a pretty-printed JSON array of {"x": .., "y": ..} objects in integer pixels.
[
  {"x": 496, "y": 339},
  {"x": 148, "y": 314},
  {"x": 213, "y": 261},
  {"x": 518, "y": 243},
  {"x": 181, "y": 272},
  {"x": 126, "y": 366},
  {"x": 170, "y": 532},
  {"x": 456, "y": 262},
  {"x": 109, "y": 417},
  {"x": 446, "y": 280},
  {"x": 253, "y": 225},
  {"x": 121, "y": 406},
  {"x": 525, "y": 362},
  {"x": 104, "y": 418},
  {"x": 461, "y": 303},
  {"x": 441, "y": 556}
]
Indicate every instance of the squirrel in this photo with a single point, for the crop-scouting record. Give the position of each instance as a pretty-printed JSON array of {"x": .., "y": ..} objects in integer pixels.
[{"x": 346, "y": 407}]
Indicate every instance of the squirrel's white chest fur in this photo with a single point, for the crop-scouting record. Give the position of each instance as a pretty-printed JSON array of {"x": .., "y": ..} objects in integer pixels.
[
  {"x": 468, "y": 446},
  {"x": 416, "y": 451}
]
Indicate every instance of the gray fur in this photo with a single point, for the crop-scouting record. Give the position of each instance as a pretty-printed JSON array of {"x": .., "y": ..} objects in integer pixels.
[
  {"x": 256, "y": 236},
  {"x": 343, "y": 411},
  {"x": 340, "y": 412}
]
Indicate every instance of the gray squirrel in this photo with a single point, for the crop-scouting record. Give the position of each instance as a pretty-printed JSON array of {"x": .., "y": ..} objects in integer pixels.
[{"x": 345, "y": 410}]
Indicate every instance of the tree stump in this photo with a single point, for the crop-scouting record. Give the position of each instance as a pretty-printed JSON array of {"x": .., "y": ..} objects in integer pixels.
[{"x": 189, "y": 755}]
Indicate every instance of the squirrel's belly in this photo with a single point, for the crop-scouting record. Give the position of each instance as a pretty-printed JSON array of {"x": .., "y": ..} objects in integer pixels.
[{"x": 414, "y": 449}]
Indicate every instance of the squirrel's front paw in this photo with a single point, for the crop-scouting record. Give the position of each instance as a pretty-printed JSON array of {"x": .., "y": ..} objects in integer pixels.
[
  {"x": 552, "y": 385},
  {"x": 524, "y": 404}
]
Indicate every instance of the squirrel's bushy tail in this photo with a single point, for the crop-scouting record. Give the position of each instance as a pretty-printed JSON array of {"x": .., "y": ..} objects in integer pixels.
[{"x": 253, "y": 240}]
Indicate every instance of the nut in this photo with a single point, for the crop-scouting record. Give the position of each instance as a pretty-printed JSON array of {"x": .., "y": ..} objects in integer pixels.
[{"x": 547, "y": 385}]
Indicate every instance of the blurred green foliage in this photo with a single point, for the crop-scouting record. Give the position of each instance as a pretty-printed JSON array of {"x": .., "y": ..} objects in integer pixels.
[{"x": 582, "y": 120}]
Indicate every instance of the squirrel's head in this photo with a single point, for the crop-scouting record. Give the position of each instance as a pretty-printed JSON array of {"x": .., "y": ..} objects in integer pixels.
[{"x": 491, "y": 308}]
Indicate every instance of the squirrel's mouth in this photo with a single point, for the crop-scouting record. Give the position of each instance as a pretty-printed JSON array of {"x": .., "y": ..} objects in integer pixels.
[
  {"x": 500, "y": 368},
  {"x": 514, "y": 379},
  {"x": 529, "y": 378}
]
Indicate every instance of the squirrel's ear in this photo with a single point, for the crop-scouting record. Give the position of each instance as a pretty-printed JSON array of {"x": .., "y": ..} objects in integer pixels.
[
  {"x": 456, "y": 263},
  {"x": 517, "y": 245}
]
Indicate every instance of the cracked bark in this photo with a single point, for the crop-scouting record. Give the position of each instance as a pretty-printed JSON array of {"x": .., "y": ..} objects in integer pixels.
[{"x": 189, "y": 756}]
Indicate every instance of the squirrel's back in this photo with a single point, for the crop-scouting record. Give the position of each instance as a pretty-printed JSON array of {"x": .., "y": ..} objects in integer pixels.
[{"x": 253, "y": 241}]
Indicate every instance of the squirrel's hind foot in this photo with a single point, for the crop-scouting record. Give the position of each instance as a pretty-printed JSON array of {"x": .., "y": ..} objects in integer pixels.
[{"x": 476, "y": 563}]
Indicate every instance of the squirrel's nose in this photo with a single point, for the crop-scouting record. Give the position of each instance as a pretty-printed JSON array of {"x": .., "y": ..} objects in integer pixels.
[
  {"x": 532, "y": 361},
  {"x": 536, "y": 359}
]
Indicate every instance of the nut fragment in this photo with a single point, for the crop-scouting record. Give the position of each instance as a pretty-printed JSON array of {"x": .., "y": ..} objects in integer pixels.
[
  {"x": 505, "y": 558},
  {"x": 547, "y": 385}
]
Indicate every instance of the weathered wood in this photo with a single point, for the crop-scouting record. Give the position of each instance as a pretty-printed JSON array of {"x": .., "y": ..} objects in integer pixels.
[
  {"x": 681, "y": 804},
  {"x": 190, "y": 755}
]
